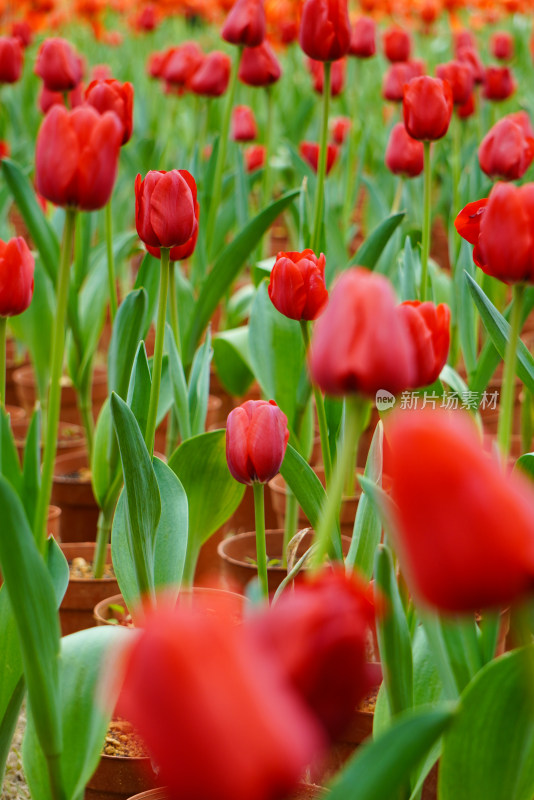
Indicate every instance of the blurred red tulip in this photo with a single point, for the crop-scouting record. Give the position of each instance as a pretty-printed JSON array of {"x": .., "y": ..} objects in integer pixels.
[
  {"x": 470, "y": 56},
  {"x": 499, "y": 83},
  {"x": 101, "y": 72},
  {"x": 16, "y": 277},
  {"x": 427, "y": 106},
  {"x": 256, "y": 441},
  {"x": 47, "y": 99},
  {"x": 5, "y": 149},
  {"x": 467, "y": 109},
  {"x": 21, "y": 30},
  {"x": 254, "y": 157},
  {"x": 461, "y": 79},
  {"x": 58, "y": 65},
  {"x": 147, "y": 19},
  {"x": 297, "y": 288},
  {"x": 11, "y": 58},
  {"x": 463, "y": 39},
  {"x": 397, "y": 44},
  {"x": 396, "y": 77},
  {"x": 245, "y": 24},
  {"x": 324, "y": 33},
  {"x": 363, "y": 38},
  {"x": 165, "y": 208},
  {"x": 337, "y": 76},
  {"x": 309, "y": 151},
  {"x": 404, "y": 155},
  {"x": 182, "y": 63},
  {"x": 156, "y": 63},
  {"x": 429, "y": 327},
  {"x": 212, "y": 76},
  {"x": 340, "y": 129},
  {"x": 502, "y": 45},
  {"x": 244, "y": 127},
  {"x": 507, "y": 150},
  {"x": 111, "y": 95},
  {"x": 259, "y": 66}
]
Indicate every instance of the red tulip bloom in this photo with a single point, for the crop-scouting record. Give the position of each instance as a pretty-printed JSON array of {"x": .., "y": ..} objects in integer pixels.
[
  {"x": 256, "y": 441},
  {"x": 254, "y": 157},
  {"x": 462, "y": 40},
  {"x": 466, "y": 528},
  {"x": 470, "y": 57},
  {"x": 147, "y": 19},
  {"x": 461, "y": 79},
  {"x": 47, "y": 99},
  {"x": 156, "y": 62},
  {"x": 429, "y": 327},
  {"x": 337, "y": 76},
  {"x": 58, "y": 65},
  {"x": 208, "y": 703},
  {"x": 309, "y": 151},
  {"x": 363, "y": 38},
  {"x": 499, "y": 83},
  {"x": 186, "y": 250},
  {"x": 360, "y": 344},
  {"x": 111, "y": 95},
  {"x": 5, "y": 149},
  {"x": 507, "y": 150},
  {"x": 165, "y": 208},
  {"x": 340, "y": 129},
  {"x": 502, "y": 46},
  {"x": 181, "y": 64},
  {"x": 76, "y": 157},
  {"x": 11, "y": 58},
  {"x": 404, "y": 155},
  {"x": 397, "y": 76},
  {"x": 427, "y": 106},
  {"x": 468, "y": 109},
  {"x": 318, "y": 633},
  {"x": 397, "y": 44},
  {"x": 259, "y": 66},
  {"x": 16, "y": 277},
  {"x": 21, "y": 30},
  {"x": 244, "y": 128},
  {"x": 297, "y": 287},
  {"x": 245, "y": 24},
  {"x": 502, "y": 229},
  {"x": 212, "y": 77},
  {"x": 324, "y": 33}
]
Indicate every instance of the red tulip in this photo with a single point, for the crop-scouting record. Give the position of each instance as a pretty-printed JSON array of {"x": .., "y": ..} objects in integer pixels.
[
  {"x": 182, "y": 63},
  {"x": 21, "y": 30},
  {"x": 156, "y": 62},
  {"x": 502, "y": 229},
  {"x": 466, "y": 529},
  {"x": 186, "y": 250},
  {"x": 309, "y": 151},
  {"x": 76, "y": 156},
  {"x": 209, "y": 703},
  {"x": 212, "y": 77},
  {"x": 363, "y": 38},
  {"x": 5, "y": 149},
  {"x": 468, "y": 108},
  {"x": 396, "y": 77},
  {"x": 165, "y": 208},
  {"x": 244, "y": 127},
  {"x": 502, "y": 46},
  {"x": 507, "y": 150},
  {"x": 360, "y": 344},
  {"x": 427, "y": 107},
  {"x": 16, "y": 277},
  {"x": 499, "y": 83},
  {"x": 463, "y": 39},
  {"x": 397, "y": 44},
  {"x": 461, "y": 79},
  {"x": 429, "y": 327},
  {"x": 254, "y": 157},
  {"x": 11, "y": 57},
  {"x": 58, "y": 65},
  {"x": 147, "y": 19},
  {"x": 470, "y": 57},
  {"x": 404, "y": 155},
  {"x": 259, "y": 66},
  {"x": 340, "y": 129},
  {"x": 101, "y": 72},
  {"x": 47, "y": 99},
  {"x": 111, "y": 95},
  {"x": 319, "y": 633},
  {"x": 337, "y": 76},
  {"x": 297, "y": 287},
  {"x": 245, "y": 24},
  {"x": 256, "y": 441},
  {"x": 324, "y": 33}
]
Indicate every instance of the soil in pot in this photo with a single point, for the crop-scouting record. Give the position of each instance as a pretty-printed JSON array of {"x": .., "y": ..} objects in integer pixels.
[
  {"x": 73, "y": 493},
  {"x": 25, "y": 385},
  {"x": 83, "y": 591},
  {"x": 71, "y": 438}
]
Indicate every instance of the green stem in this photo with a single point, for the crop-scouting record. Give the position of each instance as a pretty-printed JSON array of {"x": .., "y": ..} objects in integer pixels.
[
  {"x": 321, "y": 167},
  {"x": 53, "y": 764},
  {"x": 113, "y": 300},
  {"x": 221, "y": 155},
  {"x": 290, "y": 522},
  {"x": 353, "y": 141},
  {"x": 173, "y": 307},
  {"x": 103, "y": 532},
  {"x": 425, "y": 244},
  {"x": 266, "y": 178},
  {"x": 397, "y": 200},
  {"x": 86, "y": 413},
  {"x": 158, "y": 351},
  {"x": 3, "y": 325},
  {"x": 321, "y": 412},
  {"x": 508, "y": 384},
  {"x": 54, "y": 396},
  {"x": 261, "y": 545},
  {"x": 456, "y": 165}
]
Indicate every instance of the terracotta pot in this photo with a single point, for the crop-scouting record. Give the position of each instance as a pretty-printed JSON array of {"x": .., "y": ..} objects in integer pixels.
[
  {"x": 238, "y": 554},
  {"x": 16, "y": 414},
  {"x": 120, "y": 777},
  {"x": 71, "y": 438},
  {"x": 213, "y": 420},
  {"x": 82, "y": 595},
  {"x": 53, "y": 526},
  {"x": 73, "y": 493},
  {"x": 14, "y": 360},
  {"x": 305, "y": 791},
  {"x": 27, "y": 393}
]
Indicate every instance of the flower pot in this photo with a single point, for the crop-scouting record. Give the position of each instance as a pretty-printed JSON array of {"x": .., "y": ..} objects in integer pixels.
[
  {"x": 14, "y": 360},
  {"x": 16, "y": 414},
  {"x": 238, "y": 555},
  {"x": 26, "y": 388},
  {"x": 73, "y": 493},
  {"x": 71, "y": 438},
  {"x": 82, "y": 595},
  {"x": 305, "y": 791},
  {"x": 120, "y": 777}
]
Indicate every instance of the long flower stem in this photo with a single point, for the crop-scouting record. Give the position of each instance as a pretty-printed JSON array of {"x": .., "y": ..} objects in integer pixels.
[
  {"x": 113, "y": 300},
  {"x": 290, "y": 522},
  {"x": 158, "y": 351},
  {"x": 397, "y": 200},
  {"x": 3, "y": 324},
  {"x": 261, "y": 544},
  {"x": 425, "y": 244},
  {"x": 54, "y": 396},
  {"x": 103, "y": 531},
  {"x": 173, "y": 307},
  {"x": 508, "y": 385},
  {"x": 456, "y": 164},
  {"x": 266, "y": 178},
  {"x": 86, "y": 413},
  {"x": 321, "y": 413},
  {"x": 321, "y": 167}
]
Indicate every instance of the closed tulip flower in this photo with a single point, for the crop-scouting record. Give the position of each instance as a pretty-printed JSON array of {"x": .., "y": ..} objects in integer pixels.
[
  {"x": 182, "y": 64},
  {"x": 259, "y": 66},
  {"x": 11, "y": 58},
  {"x": 463, "y": 39},
  {"x": 469, "y": 56},
  {"x": 76, "y": 156},
  {"x": 245, "y": 24},
  {"x": 256, "y": 441},
  {"x": 16, "y": 277},
  {"x": 165, "y": 208},
  {"x": 254, "y": 157},
  {"x": 47, "y": 99},
  {"x": 461, "y": 79},
  {"x": 363, "y": 38},
  {"x": 212, "y": 77},
  {"x": 183, "y": 251},
  {"x": 427, "y": 107},
  {"x": 112, "y": 95},
  {"x": 502, "y": 46},
  {"x": 499, "y": 83},
  {"x": 404, "y": 155},
  {"x": 309, "y": 151},
  {"x": 397, "y": 44},
  {"x": 297, "y": 287},
  {"x": 58, "y": 65},
  {"x": 466, "y": 528},
  {"x": 244, "y": 128},
  {"x": 22, "y": 30},
  {"x": 337, "y": 76},
  {"x": 340, "y": 129},
  {"x": 429, "y": 327},
  {"x": 468, "y": 109},
  {"x": 507, "y": 150},
  {"x": 324, "y": 33},
  {"x": 360, "y": 344},
  {"x": 396, "y": 77}
]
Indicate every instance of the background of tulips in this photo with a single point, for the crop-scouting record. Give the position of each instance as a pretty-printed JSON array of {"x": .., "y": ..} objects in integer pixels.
[{"x": 210, "y": 152}]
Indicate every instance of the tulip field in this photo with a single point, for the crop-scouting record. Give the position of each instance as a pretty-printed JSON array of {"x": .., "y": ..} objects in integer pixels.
[{"x": 266, "y": 400}]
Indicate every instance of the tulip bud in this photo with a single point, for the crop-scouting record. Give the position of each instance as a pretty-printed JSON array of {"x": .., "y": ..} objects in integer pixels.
[
  {"x": 463, "y": 39},
  {"x": 470, "y": 57},
  {"x": 256, "y": 441},
  {"x": 58, "y": 65},
  {"x": 11, "y": 58},
  {"x": 363, "y": 38},
  {"x": 297, "y": 286},
  {"x": 212, "y": 77},
  {"x": 507, "y": 150},
  {"x": 244, "y": 127},
  {"x": 309, "y": 151},
  {"x": 404, "y": 155},
  {"x": 427, "y": 106},
  {"x": 324, "y": 33},
  {"x": 111, "y": 95},
  {"x": 254, "y": 157},
  {"x": 183, "y": 251},
  {"x": 499, "y": 83},
  {"x": 181, "y": 64},
  {"x": 502, "y": 46},
  {"x": 429, "y": 326},
  {"x": 259, "y": 66},
  {"x": 340, "y": 129},
  {"x": 467, "y": 109},
  {"x": 396, "y": 77},
  {"x": 397, "y": 44},
  {"x": 165, "y": 208},
  {"x": 21, "y": 30},
  {"x": 245, "y": 24},
  {"x": 16, "y": 277},
  {"x": 461, "y": 79}
]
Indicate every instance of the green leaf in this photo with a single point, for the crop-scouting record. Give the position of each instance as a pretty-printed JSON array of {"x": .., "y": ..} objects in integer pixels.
[
  {"x": 372, "y": 248},
  {"x": 465, "y": 311},
  {"x": 409, "y": 283},
  {"x": 227, "y": 267},
  {"x": 525, "y": 463},
  {"x": 126, "y": 335},
  {"x": 9, "y": 460},
  {"x": 489, "y": 750},
  {"x": 383, "y": 765},
  {"x": 179, "y": 385},
  {"x": 199, "y": 386},
  {"x": 31, "y": 472},
  {"x": 148, "y": 279},
  {"x": 231, "y": 357},
  {"x": 139, "y": 389},
  {"x": 100, "y": 461},
  {"x": 367, "y": 527}
]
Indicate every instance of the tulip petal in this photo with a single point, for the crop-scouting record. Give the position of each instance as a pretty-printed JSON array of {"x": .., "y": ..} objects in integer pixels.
[
  {"x": 172, "y": 211},
  {"x": 56, "y": 156}
]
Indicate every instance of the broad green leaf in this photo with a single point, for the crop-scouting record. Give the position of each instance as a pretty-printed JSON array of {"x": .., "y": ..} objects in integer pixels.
[
  {"x": 126, "y": 335},
  {"x": 139, "y": 388},
  {"x": 367, "y": 527},
  {"x": 526, "y": 464},
  {"x": 9, "y": 460},
  {"x": 8, "y": 723},
  {"x": 489, "y": 750},
  {"x": 231, "y": 357},
  {"x": 372, "y": 248},
  {"x": 466, "y": 318},
  {"x": 31, "y": 470},
  {"x": 148, "y": 279},
  {"x": 199, "y": 386},
  {"x": 100, "y": 466}
]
